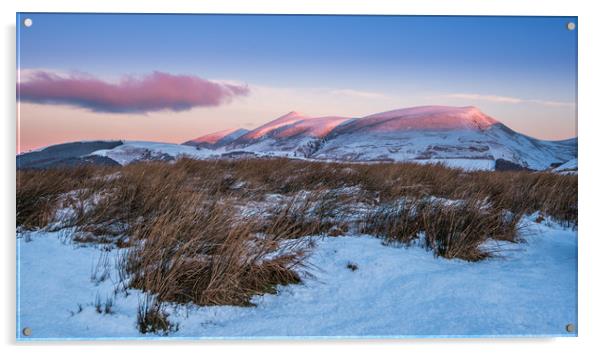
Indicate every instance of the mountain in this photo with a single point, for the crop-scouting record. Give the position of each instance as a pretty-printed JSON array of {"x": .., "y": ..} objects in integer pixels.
[
  {"x": 138, "y": 151},
  {"x": 567, "y": 168},
  {"x": 218, "y": 139},
  {"x": 461, "y": 137},
  {"x": 68, "y": 154},
  {"x": 456, "y": 136},
  {"x": 108, "y": 153},
  {"x": 292, "y": 134},
  {"x": 294, "y": 124}
]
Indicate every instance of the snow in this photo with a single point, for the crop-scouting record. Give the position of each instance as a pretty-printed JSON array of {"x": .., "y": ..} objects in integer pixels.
[
  {"x": 221, "y": 136},
  {"x": 422, "y": 110},
  {"x": 496, "y": 142},
  {"x": 529, "y": 289},
  {"x": 465, "y": 164},
  {"x": 131, "y": 151},
  {"x": 569, "y": 167},
  {"x": 467, "y": 149},
  {"x": 423, "y": 118},
  {"x": 316, "y": 127},
  {"x": 293, "y": 124},
  {"x": 284, "y": 120}
]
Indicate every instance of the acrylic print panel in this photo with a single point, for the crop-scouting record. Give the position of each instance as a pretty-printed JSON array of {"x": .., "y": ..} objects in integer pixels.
[{"x": 255, "y": 176}]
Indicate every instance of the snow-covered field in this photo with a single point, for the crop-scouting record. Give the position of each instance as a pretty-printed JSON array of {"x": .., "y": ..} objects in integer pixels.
[
  {"x": 529, "y": 289},
  {"x": 465, "y": 164},
  {"x": 132, "y": 151}
]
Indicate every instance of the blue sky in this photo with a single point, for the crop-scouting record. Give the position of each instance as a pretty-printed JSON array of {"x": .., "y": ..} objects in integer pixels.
[{"x": 427, "y": 60}]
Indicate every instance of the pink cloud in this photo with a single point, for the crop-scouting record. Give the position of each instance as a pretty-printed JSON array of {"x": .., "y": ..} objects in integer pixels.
[{"x": 153, "y": 92}]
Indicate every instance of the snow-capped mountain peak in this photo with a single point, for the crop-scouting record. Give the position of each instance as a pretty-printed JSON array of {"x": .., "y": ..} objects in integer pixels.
[
  {"x": 265, "y": 129},
  {"x": 318, "y": 127},
  {"x": 423, "y": 118},
  {"x": 217, "y": 139}
]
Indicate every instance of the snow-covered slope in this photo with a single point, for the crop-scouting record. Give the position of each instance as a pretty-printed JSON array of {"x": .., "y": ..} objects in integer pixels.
[
  {"x": 423, "y": 118},
  {"x": 286, "y": 122},
  {"x": 569, "y": 167},
  {"x": 217, "y": 139},
  {"x": 133, "y": 151},
  {"x": 67, "y": 154},
  {"x": 293, "y": 134}
]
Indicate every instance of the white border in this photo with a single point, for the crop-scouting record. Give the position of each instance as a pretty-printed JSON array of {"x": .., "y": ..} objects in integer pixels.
[{"x": 590, "y": 150}]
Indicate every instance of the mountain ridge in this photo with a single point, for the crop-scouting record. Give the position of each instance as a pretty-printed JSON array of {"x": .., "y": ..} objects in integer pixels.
[
  {"x": 462, "y": 137},
  {"x": 216, "y": 139},
  {"x": 408, "y": 134}
]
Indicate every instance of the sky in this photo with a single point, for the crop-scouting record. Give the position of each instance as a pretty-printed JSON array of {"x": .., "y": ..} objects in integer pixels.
[{"x": 172, "y": 78}]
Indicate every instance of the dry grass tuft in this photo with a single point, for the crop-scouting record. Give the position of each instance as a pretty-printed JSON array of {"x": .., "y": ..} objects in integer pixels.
[
  {"x": 452, "y": 229},
  {"x": 199, "y": 252},
  {"x": 152, "y": 318}
]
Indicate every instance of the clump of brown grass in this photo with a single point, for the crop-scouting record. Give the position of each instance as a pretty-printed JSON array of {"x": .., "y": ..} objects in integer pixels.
[
  {"x": 459, "y": 231},
  {"x": 151, "y": 317},
  {"x": 399, "y": 222},
  {"x": 309, "y": 213},
  {"x": 524, "y": 192},
  {"x": 451, "y": 229},
  {"x": 201, "y": 252},
  {"x": 39, "y": 191}
]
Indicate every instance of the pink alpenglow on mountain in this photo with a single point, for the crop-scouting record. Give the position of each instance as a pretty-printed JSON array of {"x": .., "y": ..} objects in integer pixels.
[
  {"x": 424, "y": 118},
  {"x": 217, "y": 138},
  {"x": 294, "y": 124},
  {"x": 314, "y": 127},
  {"x": 286, "y": 119}
]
